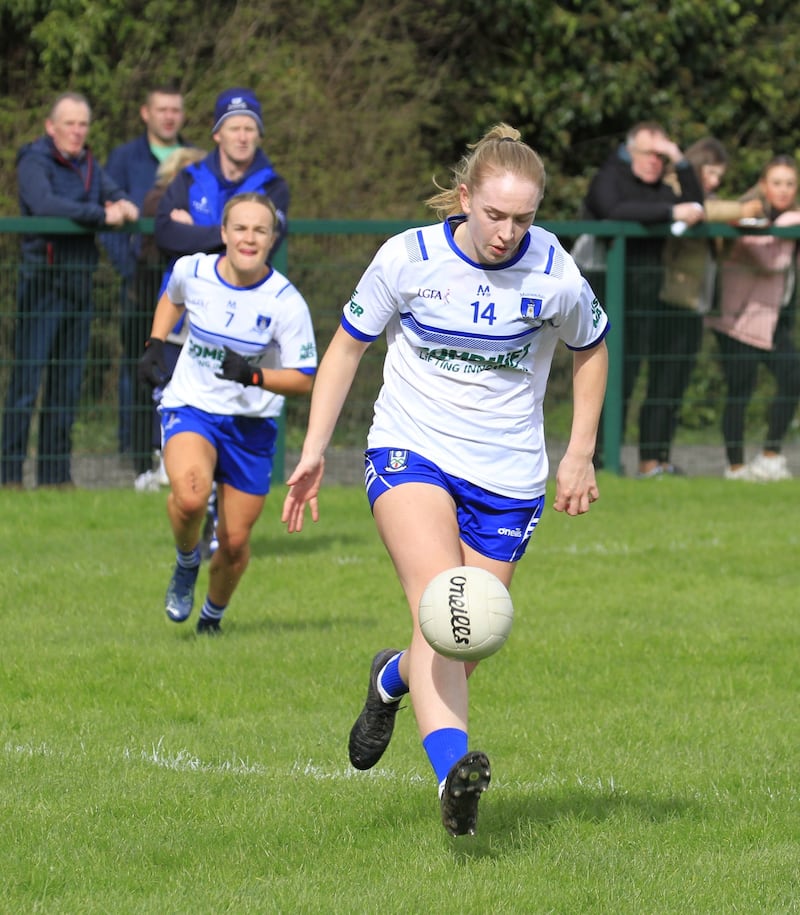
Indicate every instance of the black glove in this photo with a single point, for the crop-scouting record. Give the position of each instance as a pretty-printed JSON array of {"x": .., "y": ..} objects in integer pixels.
[
  {"x": 152, "y": 369},
  {"x": 236, "y": 368}
]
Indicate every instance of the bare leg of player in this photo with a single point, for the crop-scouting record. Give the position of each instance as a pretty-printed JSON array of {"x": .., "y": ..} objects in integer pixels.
[
  {"x": 438, "y": 685},
  {"x": 189, "y": 460},
  {"x": 237, "y": 512}
]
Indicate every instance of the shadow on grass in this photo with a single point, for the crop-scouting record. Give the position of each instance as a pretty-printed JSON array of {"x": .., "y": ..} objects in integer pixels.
[
  {"x": 288, "y": 545},
  {"x": 246, "y": 626},
  {"x": 514, "y": 822}
]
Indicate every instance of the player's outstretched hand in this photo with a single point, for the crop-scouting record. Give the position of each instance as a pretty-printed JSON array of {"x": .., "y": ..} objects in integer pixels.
[
  {"x": 304, "y": 486},
  {"x": 152, "y": 367},
  {"x": 236, "y": 368},
  {"x": 576, "y": 485}
]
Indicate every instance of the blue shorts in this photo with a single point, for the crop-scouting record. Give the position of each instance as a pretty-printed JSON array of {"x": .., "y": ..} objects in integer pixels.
[
  {"x": 495, "y": 526},
  {"x": 245, "y": 445}
]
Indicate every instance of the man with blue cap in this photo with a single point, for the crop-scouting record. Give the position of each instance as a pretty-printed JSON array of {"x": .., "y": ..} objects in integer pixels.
[{"x": 190, "y": 213}]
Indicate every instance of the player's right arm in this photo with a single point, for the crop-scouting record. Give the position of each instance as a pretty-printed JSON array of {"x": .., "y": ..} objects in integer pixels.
[{"x": 332, "y": 384}]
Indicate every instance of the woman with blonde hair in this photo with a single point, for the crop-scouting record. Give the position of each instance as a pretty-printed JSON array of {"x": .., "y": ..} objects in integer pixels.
[
  {"x": 755, "y": 326},
  {"x": 473, "y": 308},
  {"x": 250, "y": 345}
]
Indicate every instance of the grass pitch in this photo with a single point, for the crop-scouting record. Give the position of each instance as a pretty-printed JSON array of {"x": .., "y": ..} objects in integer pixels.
[{"x": 641, "y": 721}]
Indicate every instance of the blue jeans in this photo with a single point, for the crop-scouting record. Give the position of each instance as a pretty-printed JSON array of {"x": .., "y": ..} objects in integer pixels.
[{"x": 51, "y": 340}]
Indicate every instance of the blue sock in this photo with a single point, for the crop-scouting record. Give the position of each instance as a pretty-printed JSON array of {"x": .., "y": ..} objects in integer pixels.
[
  {"x": 444, "y": 748},
  {"x": 212, "y": 611},
  {"x": 188, "y": 560},
  {"x": 390, "y": 684}
]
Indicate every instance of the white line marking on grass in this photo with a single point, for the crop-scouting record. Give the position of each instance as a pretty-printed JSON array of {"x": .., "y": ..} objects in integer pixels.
[
  {"x": 22, "y": 749},
  {"x": 185, "y": 761}
]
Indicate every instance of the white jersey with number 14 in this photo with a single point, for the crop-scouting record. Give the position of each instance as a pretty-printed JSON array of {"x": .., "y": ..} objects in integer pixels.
[{"x": 469, "y": 351}]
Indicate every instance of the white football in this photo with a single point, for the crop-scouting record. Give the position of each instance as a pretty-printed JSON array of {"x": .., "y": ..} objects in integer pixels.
[{"x": 466, "y": 613}]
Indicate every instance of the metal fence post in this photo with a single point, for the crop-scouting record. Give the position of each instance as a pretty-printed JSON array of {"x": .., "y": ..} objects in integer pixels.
[
  {"x": 280, "y": 262},
  {"x": 615, "y": 308}
]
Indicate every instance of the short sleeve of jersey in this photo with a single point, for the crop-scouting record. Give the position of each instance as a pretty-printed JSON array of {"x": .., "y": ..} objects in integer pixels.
[
  {"x": 586, "y": 323},
  {"x": 374, "y": 302},
  {"x": 184, "y": 267},
  {"x": 298, "y": 348}
]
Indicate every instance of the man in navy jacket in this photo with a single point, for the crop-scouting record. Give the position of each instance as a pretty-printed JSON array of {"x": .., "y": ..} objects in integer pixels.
[
  {"x": 133, "y": 167},
  {"x": 57, "y": 176}
]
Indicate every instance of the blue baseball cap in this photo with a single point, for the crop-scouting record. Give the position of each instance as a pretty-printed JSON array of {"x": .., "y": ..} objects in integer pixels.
[{"x": 237, "y": 101}]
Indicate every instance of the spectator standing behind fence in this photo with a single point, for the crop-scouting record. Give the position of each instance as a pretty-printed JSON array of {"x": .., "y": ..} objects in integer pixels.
[
  {"x": 687, "y": 293},
  {"x": 150, "y": 280},
  {"x": 251, "y": 344},
  {"x": 630, "y": 186},
  {"x": 189, "y": 215},
  {"x": 755, "y": 326},
  {"x": 57, "y": 176},
  {"x": 133, "y": 166}
]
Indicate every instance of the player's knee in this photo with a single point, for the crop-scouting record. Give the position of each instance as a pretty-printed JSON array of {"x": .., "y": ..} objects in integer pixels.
[
  {"x": 191, "y": 493},
  {"x": 234, "y": 543}
]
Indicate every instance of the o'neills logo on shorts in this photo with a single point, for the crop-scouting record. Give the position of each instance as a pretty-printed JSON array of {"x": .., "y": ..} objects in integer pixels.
[{"x": 459, "y": 610}]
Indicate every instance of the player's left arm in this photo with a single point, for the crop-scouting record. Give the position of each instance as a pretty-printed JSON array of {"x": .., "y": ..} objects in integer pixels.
[
  {"x": 576, "y": 486},
  {"x": 287, "y": 382}
]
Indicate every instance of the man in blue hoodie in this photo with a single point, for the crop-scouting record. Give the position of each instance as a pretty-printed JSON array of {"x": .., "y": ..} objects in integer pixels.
[
  {"x": 57, "y": 176},
  {"x": 190, "y": 213}
]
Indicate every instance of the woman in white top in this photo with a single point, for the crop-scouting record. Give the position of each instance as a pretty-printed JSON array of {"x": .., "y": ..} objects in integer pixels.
[
  {"x": 456, "y": 466},
  {"x": 250, "y": 343}
]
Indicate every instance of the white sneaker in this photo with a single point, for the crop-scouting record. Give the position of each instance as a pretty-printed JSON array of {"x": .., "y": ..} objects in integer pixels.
[
  {"x": 146, "y": 482},
  {"x": 769, "y": 468},
  {"x": 161, "y": 472},
  {"x": 744, "y": 472}
]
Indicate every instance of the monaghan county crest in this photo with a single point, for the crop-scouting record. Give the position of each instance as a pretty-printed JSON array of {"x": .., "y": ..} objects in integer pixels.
[
  {"x": 530, "y": 309},
  {"x": 262, "y": 323},
  {"x": 398, "y": 460}
]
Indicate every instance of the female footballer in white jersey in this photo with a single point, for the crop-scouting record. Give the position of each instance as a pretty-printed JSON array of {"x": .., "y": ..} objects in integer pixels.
[
  {"x": 250, "y": 343},
  {"x": 473, "y": 309}
]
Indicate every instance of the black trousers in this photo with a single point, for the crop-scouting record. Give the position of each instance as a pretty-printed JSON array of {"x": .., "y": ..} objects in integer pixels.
[
  {"x": 740, "y": 364},
  {"x": 676, "y": 337}
]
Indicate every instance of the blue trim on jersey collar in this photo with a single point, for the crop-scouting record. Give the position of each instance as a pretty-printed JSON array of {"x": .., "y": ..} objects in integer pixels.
[
  {"x": 449, "y": 228},
  {"x": 231, "y": 286}
]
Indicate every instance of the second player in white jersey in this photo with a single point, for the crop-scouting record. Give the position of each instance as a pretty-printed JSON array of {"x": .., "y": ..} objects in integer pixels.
[
  {"x": 469, "y": 352},
  {"x": 250, "y": 344},
  {"x": 268, "y": 323}
]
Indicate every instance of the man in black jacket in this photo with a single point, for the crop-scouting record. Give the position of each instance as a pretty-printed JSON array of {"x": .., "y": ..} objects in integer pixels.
[{"x": 630, "y": 186}]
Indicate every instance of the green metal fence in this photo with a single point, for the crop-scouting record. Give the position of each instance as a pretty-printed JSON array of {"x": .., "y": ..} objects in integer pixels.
[{"x": 324, "y": 259}]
